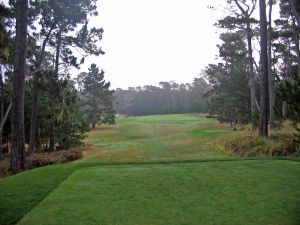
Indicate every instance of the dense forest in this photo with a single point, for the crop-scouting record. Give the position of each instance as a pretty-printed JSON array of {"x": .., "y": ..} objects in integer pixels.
[{"x": 255, "y": 78}]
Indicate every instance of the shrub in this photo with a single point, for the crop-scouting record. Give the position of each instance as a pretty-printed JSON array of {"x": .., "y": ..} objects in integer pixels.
[
  {"x": 275, "y": 145},
  {"x": 43, "y": 159}
]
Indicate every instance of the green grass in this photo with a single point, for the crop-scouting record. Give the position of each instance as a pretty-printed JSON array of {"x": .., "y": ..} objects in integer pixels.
[
  {"x": 165, "y": 169},
  {"x": 234, "y": 192},
  {"x": 162, "y": 137},
  {"x": 20, "y": 193},
  {"x": 165, "y": 119},
  {"x": 208, "y": 132}
]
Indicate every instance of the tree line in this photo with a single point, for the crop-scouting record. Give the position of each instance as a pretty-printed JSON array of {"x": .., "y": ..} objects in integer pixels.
[
  {"x": 167, "y": 98},
  {"x": 48, "y": 109}
]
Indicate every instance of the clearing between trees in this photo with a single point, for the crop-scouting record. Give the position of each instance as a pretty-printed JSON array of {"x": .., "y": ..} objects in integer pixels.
[{"x": 168, "y": 169}]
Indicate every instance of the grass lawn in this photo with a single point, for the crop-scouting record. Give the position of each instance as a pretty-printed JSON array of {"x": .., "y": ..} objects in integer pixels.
[
  {"x": 235, "y": 192},
  {"x": 166, "y": 169}
]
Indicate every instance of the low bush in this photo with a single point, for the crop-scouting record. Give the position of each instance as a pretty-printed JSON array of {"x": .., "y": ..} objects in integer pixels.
[
  {"x": 44, "y": 159},
  {"x": 63, "y": 156},
  {"x": 252, "y": 145}
]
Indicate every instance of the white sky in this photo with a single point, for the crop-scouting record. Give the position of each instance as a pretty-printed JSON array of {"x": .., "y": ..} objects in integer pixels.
[{"x": 148, "y": 41}]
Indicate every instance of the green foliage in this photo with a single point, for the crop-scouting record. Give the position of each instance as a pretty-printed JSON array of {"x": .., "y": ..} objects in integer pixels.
[
  {"x": 95, "y": 97},
  {"x": 289, "y": 91},
  {"x": 230, "y": 94},
  {"x": 71, "y": 126}
]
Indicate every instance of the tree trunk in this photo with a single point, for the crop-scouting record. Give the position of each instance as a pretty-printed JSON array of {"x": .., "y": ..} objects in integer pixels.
[
  {"x": 252, "y": 83},
  {"x": 263, "y": 115},
  {"x": 298, "y": 49},
  {"x": 284, "y": 109},
  {"x": 286, "y": 78},
  {"x": 33, "y": 115},
  {"x": 35, "y": 91},
  {"x": 17, "y": 159},
  {"x": 53, "y": 102},
  {"x": 1, "y": 111},
  {"x": 271, "y": 77}
]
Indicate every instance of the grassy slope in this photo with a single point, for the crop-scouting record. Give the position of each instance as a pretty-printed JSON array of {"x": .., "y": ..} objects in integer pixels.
[
  {"x": 20, "y": 193},
  {"x": 147, "y": 139}
]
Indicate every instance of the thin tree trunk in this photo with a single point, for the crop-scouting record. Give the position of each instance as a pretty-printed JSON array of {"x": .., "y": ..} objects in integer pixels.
[
  {"x": 93, "y": 125},
  {"x": 1, "y": 111},
  {"x": 298, "y": 49},
  {"x": 35, "y": 91},
  {"x": 53, "y": 102},
  {"x": 247, "y": 14},
  {"x": 263, "y": 116},
  {"x": 33, "y": 115},
  {"x": 18, "y": 158},
  {"x": 284, "y": 109},
  {"x": 271, "y": 77},
  {"x": 252, "y": 83},
  {"x": 286, "y": 78},
  {"x": 5, "y": 116}
]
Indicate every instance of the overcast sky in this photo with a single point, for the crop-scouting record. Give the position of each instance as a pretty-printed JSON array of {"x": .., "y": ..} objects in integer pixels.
[{"x": 148, "y": 41}]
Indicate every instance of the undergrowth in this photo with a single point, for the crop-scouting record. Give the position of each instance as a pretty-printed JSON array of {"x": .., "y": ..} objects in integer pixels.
[
  {"x": 44, "y": 159},
  {"x": 281, "y": 142}
]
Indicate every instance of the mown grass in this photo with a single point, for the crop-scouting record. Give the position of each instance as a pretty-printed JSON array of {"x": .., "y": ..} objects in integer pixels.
[
  {"x": 163, "y": 137},
  {"x": 20, "y": 193},
  {"x": 235, "y": 192},
  {"x": 170, "y": 169},
  {"x": 165, "y": 119}
]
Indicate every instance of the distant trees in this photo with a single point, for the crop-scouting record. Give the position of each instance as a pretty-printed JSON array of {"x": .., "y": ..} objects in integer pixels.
[{"x": 170, "y": 97}]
